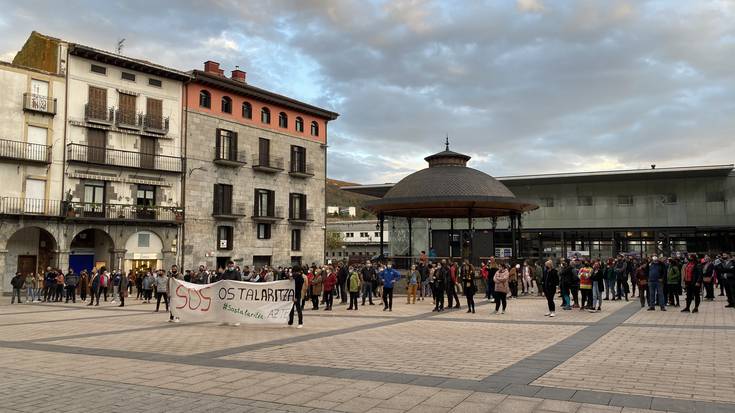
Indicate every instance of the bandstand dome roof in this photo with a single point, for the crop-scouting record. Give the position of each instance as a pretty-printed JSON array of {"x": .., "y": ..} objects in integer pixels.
[{"x": 449, "y": 189}]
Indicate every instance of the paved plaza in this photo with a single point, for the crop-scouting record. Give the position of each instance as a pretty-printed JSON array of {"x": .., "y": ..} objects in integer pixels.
[{"x": 70, "y": 357}]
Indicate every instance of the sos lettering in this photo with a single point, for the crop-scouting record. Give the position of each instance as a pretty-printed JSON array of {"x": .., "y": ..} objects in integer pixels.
[{"x": 194, "y": 299}]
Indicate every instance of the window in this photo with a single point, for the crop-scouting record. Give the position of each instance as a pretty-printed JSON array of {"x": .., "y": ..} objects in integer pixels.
[
  {"x": 584, "y": 201},
  {"x": 299, "y": 124},
  {"x": 226, "y": 145},
  {"x": 297, "y": 206},
  {"x": 377, "y": 233},
  {"x": 226, "y": 104},
  {"x": 94, "y": 192},
  {"x": 154, "y": 82},
  {"x": 146, "y": 195},
  {"x": 222, "y": 199},
  {"x": 364, "y": 235},
  {"x": 715, "y": 196},
  {"x": 298, "y": 159},
  {"x": 144, "y": 240},
  {"x": 205, "y": 99},
  {"x": 264, "y": 203},
  {"x": 128, "y": 76},
  {"x": 247, "y": 110},
  {"x": 314, "y": 129},
  {"x": 265, "y": 116},
  {"x": 264, "y": 231},
  {"x": 547, "y": 202},
  {"x": 282, "y": 120},
  {"x": 669, "y": 199},
  {"x": 224, "y": 238},
  {"x": 625, "y": 200},
  {"x": 349, "y": 234},
  {"x": 296, "y": 240},
  {"x": 98, "y": 69},
  {"x": 264, "y": 151}
]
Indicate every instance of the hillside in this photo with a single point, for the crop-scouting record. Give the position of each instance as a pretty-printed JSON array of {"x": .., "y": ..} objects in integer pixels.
[{"x": 337, "y": 197}]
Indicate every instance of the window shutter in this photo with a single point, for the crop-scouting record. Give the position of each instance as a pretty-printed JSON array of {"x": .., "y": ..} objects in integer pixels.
[
  {"x": 217, "y": 199},
  {"x": 291, "y": 212},
  {"x": 302, "y": 212},
  {"x": 233, "y": 146},
  {"x": 256, "y": 202},
  {"x": 271, "y": 203},
  {"x": 218, "y": 144},
  {"x": 227, "y": 199}
]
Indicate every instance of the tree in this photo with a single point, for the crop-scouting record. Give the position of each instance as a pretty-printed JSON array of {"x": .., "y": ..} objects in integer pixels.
[{"x": 334, "y": 240}]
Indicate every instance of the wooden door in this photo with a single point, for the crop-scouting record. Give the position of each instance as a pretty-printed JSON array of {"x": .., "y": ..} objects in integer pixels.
[
  {"x": 26, "y": 264},
  {"x": 97, "y": 103},
  {"x": 147, "y": 153},
  {"x": 96, "y": 144},
  {"x": 127, "y": 109},
  {"x": 154, "y": 112}
]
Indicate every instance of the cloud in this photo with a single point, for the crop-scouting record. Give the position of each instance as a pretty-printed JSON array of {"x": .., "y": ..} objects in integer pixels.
[{"x": 524, "y": 87}]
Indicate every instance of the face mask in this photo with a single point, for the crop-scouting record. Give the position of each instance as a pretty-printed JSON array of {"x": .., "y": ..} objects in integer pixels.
[{"x": 390, "y": 266}]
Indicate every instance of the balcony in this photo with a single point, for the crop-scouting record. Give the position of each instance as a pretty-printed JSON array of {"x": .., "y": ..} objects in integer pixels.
[
  {"x": 30, "y": 207},
  {"x": 155, "y": 124},
  {"x": 128, "y": 120},
  {"x": 99, "y": 114},
  {"x": 224, "y": 160},
  {"x": 275, "y": 214},
  {"x": 124, "y": 159},
  {"x": 25, "y": 152},
  {"x": 301, "y": 217},
  {"x": 267, "y": 164},
  {"x": 121, "y": 212},
  {"x": 39, "y": 104},
  {"x": 301, "y": 170},
  {"x": 228, "y": 212}
]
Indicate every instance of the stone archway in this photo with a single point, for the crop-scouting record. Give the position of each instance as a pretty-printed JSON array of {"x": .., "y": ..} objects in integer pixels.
[
  {"x": 91, "y": 247},
  {"x": 29, "y": 250},
  {"x": 143, "y": 250}
]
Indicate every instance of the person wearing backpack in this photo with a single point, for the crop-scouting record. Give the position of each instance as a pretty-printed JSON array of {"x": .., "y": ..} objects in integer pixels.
[{"x": 353, "y": 286}]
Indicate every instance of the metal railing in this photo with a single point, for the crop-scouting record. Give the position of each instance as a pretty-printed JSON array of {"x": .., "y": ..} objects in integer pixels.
[
  {"x": 39, "y": 103},
  {"x": 156, "y": 124},
  {"x": 298, "y": 215},
  {"x": 99, "y": 114},
  {"x": 123, "y": 212},
  {"x": 25, "y": 151},
  {"x": 128, "y": 120},
  {"x": 121, "y": 158},
  {"x": 263, "y": 162},
  {"x": 276, "y": 213},
  {"x": 240, "y": 157},
  {"x": 301, "y": 168},
  {"x": 29, "y": 206}
]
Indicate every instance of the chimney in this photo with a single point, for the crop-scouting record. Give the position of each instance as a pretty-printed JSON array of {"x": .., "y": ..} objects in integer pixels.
[
  {"x": 213, "y": 67},
  {"x": 238, "y": 75}
]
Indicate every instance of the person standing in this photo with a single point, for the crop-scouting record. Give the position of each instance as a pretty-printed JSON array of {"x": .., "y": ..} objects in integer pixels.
[
  {"x": 95, "y": 287},
  {"x": 353, "y": 286},
  {"x": 656, "y": 281},
  {"x": 610, "y": 280},
  {"x": 693, "y": 283},
  {"x": 123, "y": 289},
  {"x": 450, "y": 284},
  {"x": 368, "y": 278},
  {"x": 330, "y": 282},
  {"x": 389, "y": 276},
  {"x": 565, "y": 281},
  {"x": 727, "y": 270},
  {"x": 299, "y": 291},
  {"x": 708, "y": 278},
  {"x": 527, "y": 273},
  {"x": 316, "y": 284},
  {"x": 673, "y": 281},
  {"x": 161, "y": 289},
  {"x": 49, "y": 285},
  {"x": 104, "y": 284},
  {"x": 501, "y": 288},
  {"x": 30, "y": 286},
  {"x": 147, "y": 284},
  {"x": 437, "y": 283},
  {"x": 17, "y": 283},
  {"x": 641, "y": 280},
  {"x": 412, "y": 284},
  {"x": 548, "y": 284},
  {"x": 115, "y": 286},
  {"x": 60, "y": 281},
  {"x": 513, "y": 280},
  {"x": 39, "y": 286},
  {"x": 585, "y": 287},
  {"x": 342, "y": 275},
  {"x": 83, "y": 285},
  {"x": 467, "y": 277},
  {"x": 72, "y": 280}
]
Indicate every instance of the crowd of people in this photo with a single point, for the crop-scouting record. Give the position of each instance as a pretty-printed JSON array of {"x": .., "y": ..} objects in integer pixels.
[{"x": 580, "y": 283}]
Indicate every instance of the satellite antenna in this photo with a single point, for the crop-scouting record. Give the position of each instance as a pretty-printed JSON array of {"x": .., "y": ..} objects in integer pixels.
[{"x": 120, "y": 45}]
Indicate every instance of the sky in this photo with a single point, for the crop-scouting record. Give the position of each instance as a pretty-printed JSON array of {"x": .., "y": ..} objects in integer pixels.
[{"x": 522, "y": 86}]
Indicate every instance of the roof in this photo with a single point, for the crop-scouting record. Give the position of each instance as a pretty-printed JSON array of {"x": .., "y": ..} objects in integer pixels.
[
  {"x": 379, "y": 190},
  {"x": 139, "y": 65},
  {"x": 448, "y": 189},
  {"x": 245, "y": 89}
]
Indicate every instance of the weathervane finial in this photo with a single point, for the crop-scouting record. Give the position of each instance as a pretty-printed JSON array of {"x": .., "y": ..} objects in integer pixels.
[{"x": 446, "y": 143}]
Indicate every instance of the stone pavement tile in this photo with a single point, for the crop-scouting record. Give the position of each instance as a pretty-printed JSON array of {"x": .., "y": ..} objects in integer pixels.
[
  {"x": 555, "y": 393},
  {"x": 447, "y": 398},
  {"x": 514, "y": 404},
  {"x": 321, "y": 404},
  {"x": 631, "y": 400},
  {"x": 596, "y": 408},
  {"x": 384, "y": 410},
  {"x": 559, "y": 406},
  {"x": 426, "y": 408},
  {"x": 403, "y": 402},
  {"x": 386, "y": 391},
  {"x": 490, "y": 399},
  {"x": 471, "y": 407},
  {"x": 358, "y": 405},
  {"x": 672, "y": 405}
]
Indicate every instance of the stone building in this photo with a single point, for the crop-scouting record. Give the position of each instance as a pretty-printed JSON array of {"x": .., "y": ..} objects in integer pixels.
[
  {"x": 360, "y": 239},
  {"x": 111, "y": 191},
  {"x": 256, "y": 174}
]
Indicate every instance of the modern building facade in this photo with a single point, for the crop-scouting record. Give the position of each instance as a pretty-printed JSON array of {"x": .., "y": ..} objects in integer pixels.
[
  {"x": 256, "y": 173},
  {"x": 360, "y": 239},
  {"x": 597, "y": 214}
]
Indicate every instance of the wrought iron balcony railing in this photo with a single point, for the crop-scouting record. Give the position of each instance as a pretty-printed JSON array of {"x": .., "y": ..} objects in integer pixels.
[
  {"x": 39, "y": 103},
  {"x": 99, "y": 114},
  {"x": 301, "y": 217},
  {"x": 267, "y": 164},
  {"x": 156, "y": 124},
  {"x": 23, "y": 151},
  {"x": 120, "y": 158},
  {"x": 301, "y": 169},
  {"x": 266, "y": 215},
  {"x": 128, "y": 120},
  {"x": 29, "y": 206},
  {"x": 82, "y": 210}
]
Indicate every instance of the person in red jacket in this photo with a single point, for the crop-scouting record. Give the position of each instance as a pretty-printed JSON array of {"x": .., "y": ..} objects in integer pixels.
[{"x": 329, "y": 283}]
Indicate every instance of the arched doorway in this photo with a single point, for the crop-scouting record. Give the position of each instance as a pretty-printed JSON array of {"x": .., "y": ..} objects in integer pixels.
[
  {"x": 91, "y": 248},
  {"x": 30, "y": 250},
  {"x": 143, "y": 250}
]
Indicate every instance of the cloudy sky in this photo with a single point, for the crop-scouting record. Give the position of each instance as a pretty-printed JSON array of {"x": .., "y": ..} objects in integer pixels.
[{"x": 526, "y": 86}]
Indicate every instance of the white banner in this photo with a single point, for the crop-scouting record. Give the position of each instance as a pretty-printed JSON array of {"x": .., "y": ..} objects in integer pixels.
[{"x": 233, "y": 301}]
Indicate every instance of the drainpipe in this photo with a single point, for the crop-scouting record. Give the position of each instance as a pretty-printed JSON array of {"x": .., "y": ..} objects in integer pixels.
[{"x": 182, "y": 228}]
